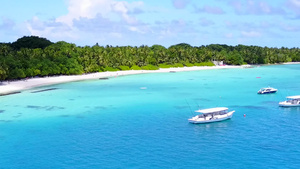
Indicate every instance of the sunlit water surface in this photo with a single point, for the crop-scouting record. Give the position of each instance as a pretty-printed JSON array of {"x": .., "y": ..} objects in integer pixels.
[{"x": 140, "y": 121}]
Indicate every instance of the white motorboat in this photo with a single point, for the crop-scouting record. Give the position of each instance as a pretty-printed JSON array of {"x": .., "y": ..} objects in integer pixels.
[
  {"x": 212, "y": 115},
  {"x": 292, "y": 101},
  {"x": 267, "y": 90}
]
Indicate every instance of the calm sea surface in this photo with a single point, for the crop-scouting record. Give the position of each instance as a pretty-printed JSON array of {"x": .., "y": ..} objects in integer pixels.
[{"x": 140, "y": 121}]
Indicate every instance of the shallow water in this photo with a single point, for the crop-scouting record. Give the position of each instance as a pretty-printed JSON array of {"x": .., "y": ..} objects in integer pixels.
[{"x": 140, "y": 121}]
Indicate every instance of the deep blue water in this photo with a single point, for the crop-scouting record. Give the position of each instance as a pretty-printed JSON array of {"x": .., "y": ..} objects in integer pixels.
[{"x": 116, "y": 124}]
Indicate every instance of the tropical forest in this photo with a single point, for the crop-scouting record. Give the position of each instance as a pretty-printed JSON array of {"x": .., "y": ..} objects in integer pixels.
[{"x": 33, "y": 56}]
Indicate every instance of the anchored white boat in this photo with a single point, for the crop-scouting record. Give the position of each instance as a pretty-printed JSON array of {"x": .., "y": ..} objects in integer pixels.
[
  {"x": 267, "y": 90},
  {"x": 212, "y": 115},
  {"x": 292, "y": 101}
]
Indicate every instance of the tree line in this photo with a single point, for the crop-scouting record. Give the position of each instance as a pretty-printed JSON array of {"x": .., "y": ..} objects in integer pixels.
[{"x": 32, "y": 56}]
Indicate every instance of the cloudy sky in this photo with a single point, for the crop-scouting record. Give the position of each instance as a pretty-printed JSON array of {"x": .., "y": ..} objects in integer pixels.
[{"x": 271, "y": 23}]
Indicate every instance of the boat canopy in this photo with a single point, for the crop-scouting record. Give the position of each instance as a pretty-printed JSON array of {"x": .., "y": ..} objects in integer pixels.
[
  {"x": 293, "y": 97},
  {"x": 266, "y": 88},
  {"x": 212, "y": 110}
]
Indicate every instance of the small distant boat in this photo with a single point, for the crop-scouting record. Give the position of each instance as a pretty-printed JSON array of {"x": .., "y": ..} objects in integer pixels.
[
  {"x": 267, "y": 90},
  {"x": 247, "y": 66},
  {"x": 292, "y": 101},
  {"x": 211, "y": 115}
]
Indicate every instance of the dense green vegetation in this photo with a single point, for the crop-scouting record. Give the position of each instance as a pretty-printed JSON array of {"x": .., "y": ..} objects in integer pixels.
[
  {"x": 31, "y": 42},
  {"x": 34, "y": 56}
]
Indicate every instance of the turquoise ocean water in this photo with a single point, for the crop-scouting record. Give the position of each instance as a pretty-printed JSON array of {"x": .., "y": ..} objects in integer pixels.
[{"x": 140, "y": 121}]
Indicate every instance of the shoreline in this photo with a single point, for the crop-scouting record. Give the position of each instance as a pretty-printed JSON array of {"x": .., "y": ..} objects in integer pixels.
[
  {"x": 13, "y": 87},
  {"x": 291, "y": 63}
]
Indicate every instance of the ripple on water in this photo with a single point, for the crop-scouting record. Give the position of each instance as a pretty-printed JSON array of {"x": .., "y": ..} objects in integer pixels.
[
  {"x": 48, "y": 108},
  {"x": 44, "y": 90}
]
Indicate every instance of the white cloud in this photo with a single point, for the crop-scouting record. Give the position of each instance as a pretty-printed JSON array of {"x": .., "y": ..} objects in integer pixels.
[
  {"x": 123, "y": 10},
  {"x": 101, "y": 19},
  {"x": 294, "y": 5},
  {"x": 106, "y": 8},
  {"x": 210, "y": 10},
  {"x": 229, "y": 35},
  {"x": 9, "y": 28},
  {"x": 295, "y": 2},
  {"x": 206, "y": 22},
  {"x": 7, "y": 24},
  {"x": 122, "y": 22},
  {"x": 251, "y": 34},
  {"x": 252, "y": 7},
  {"x": 85, "y": 9},
  {"x": 180, "y": 4},
  {"x": 51, "y": 29},
  {"x": 116, "y": 35},
  {"x": 250, "y": 26},
  {"x": 289, "y": 27}
]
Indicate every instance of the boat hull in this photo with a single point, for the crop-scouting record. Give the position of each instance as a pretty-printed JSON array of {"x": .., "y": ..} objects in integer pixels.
[
  {"x": 267, "y": 92},
  {"x": 288, "y": 105},
  {"x": 211, "y": 120}
]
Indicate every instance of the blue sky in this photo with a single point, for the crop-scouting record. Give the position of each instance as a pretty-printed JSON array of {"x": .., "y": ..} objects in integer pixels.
[{"x": 271, "y": 23}]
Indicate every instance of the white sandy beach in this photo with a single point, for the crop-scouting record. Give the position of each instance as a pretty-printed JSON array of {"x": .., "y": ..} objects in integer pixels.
[
  {"x": 16, "y": 86},
  {"x": 289, "y": 63}
]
